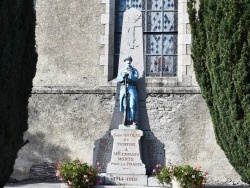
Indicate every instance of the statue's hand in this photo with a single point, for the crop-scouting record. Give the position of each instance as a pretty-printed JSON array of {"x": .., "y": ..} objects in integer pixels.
[{"x": 126, "y": 72}]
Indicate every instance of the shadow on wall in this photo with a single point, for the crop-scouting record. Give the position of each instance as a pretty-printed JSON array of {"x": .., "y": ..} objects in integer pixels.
[
  {"x": 40, "y": 156},
  {"x": 152, "y": 149}
]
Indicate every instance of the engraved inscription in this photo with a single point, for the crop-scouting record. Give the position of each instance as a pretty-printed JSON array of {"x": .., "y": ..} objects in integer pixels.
[
  {"x": 126, "y": 144},
  {"x": 126, "y": 156},
  {"x": 133, "y": 21},
  {"x": 126, "y": 135},
  {"x": 121, "y": 178},
  {"x": 152, "y": 154},
  {"x": 103, "y": 153}
]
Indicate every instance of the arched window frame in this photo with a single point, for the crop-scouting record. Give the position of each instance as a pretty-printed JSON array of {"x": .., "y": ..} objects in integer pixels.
[
  {"x": 185, "y": 73},
  {"x": 160, "y": 34}
]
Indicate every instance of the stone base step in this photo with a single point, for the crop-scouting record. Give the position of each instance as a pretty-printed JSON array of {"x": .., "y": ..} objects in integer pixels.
[{"x": 61, "y": 185}]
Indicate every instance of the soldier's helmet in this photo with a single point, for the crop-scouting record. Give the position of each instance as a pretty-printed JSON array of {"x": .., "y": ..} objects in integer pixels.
[{"x": 128, "y": 58}]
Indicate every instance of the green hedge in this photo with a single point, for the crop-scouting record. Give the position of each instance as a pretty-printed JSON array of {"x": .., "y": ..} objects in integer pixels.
[
  {"x": 18, "y": 59},
  {"x": 221, "y": 54}
]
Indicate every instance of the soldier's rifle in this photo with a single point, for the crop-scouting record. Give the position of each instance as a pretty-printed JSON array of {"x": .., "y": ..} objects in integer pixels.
[{"x": 125, "y": 98}]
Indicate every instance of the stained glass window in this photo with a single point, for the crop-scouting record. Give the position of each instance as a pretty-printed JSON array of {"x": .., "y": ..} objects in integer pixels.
[{"x": 160, "y": 20}]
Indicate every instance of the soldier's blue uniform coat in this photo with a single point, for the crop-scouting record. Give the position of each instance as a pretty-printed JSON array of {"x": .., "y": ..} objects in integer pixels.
[{"x": 131, "y": 91}]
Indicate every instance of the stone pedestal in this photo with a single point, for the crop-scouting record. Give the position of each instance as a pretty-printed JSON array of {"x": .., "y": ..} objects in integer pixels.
[
  {"x": 126, "y": 155},
  {"x": 126, "y": 166}
]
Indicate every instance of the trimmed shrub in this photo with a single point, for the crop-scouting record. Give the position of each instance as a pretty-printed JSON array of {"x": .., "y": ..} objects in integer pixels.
[
  {"x": 221, "y": 55},
  {"x": 17, "y": 68}
]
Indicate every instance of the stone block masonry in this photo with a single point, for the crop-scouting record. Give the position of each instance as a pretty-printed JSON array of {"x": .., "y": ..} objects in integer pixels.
[{"x": 69, "y": 126}]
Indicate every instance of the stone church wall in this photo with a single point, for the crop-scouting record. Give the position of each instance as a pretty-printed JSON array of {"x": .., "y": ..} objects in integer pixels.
[
  {"x": 69, "y": 109},
  {"x": 68, "y": 43},
  {"x": 65, "y": 127}
]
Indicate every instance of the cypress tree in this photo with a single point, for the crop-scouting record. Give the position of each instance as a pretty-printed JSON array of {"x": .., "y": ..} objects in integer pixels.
[
  {"x": 18, "y": 59},
  {"x": 221, "y": 55}
]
